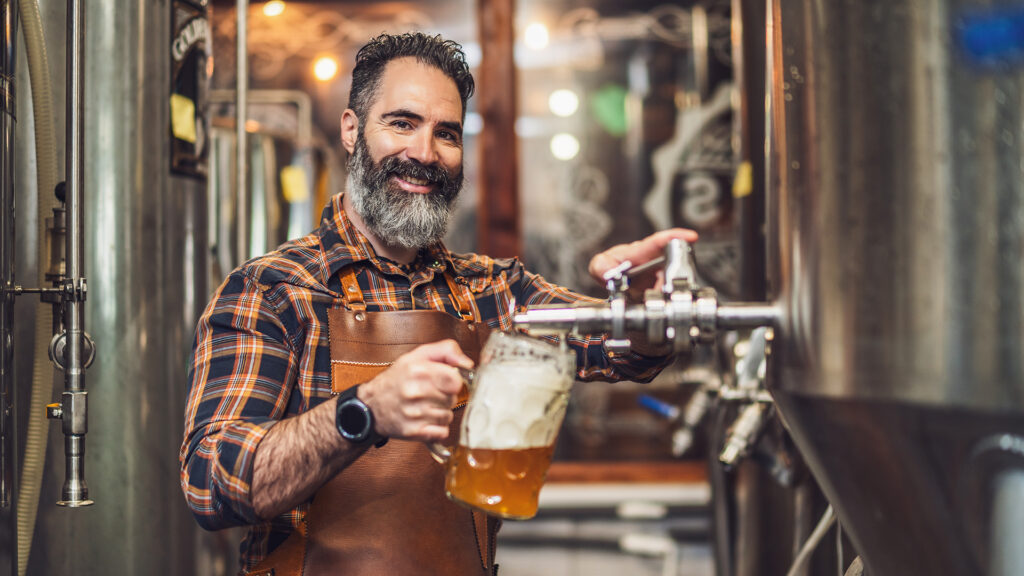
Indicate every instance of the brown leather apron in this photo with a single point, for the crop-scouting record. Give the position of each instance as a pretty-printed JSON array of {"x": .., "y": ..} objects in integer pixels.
[{"x": 387, "y": 512}]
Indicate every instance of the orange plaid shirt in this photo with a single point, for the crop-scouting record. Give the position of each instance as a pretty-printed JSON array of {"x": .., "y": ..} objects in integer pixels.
[{"x": 261, "y": 353}]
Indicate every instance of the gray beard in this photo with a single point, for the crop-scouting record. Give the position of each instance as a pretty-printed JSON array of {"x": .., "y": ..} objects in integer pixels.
[{"x": 392, "y": 215}]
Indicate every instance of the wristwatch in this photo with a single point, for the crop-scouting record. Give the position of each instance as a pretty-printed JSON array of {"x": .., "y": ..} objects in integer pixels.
[{"x": 354, "y": 420}]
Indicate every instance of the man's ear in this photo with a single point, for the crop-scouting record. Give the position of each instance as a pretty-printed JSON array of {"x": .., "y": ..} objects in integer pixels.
[{"x": 349, "y": 130}]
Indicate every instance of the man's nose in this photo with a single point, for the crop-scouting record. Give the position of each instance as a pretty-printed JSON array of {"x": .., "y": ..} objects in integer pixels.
[{"x": 423, "y": 148}]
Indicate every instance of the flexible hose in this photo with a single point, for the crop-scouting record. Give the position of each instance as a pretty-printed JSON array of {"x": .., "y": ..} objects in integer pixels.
[
  {"x": 46, "y": 181},
  {"x": 827, "y": 519}
]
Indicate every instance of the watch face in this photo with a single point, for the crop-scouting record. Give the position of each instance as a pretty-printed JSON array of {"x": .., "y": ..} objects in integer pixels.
[{"x": 354, "y": 421}]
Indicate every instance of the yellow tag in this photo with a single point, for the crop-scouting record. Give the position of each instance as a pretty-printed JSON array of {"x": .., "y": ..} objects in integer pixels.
[
  {"x": 294, "y": 187},
  {"x": 743, "y": 185},
  {"x": 183, "y": 118}
]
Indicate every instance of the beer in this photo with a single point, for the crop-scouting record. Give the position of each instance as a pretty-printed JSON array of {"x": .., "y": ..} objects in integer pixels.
[
  {"x": 517, "y": 403},
  {"x": 505, "y": 483}
]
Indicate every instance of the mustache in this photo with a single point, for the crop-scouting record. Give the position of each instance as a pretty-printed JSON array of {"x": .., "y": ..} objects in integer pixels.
[{"x": 395, "y": 166}]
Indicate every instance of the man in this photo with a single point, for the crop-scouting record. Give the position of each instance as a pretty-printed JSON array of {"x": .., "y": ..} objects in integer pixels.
[{"x": 320, "y": 370}]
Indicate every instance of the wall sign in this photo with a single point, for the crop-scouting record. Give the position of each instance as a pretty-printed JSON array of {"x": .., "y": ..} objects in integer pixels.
[{"x": 191, "y": 68}]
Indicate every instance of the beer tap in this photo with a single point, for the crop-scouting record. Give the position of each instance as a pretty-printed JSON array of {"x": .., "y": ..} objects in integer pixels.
[
  {"x": 678, "y": 313},
  {"x": 683, "y": 314}
]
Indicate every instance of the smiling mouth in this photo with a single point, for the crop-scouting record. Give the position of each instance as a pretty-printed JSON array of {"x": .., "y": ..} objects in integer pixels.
[{"x": 416, "y": 181}]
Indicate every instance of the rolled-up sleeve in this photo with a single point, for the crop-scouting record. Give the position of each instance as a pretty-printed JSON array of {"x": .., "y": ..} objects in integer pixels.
[
  {"x": 242, "y": 361},
  {"x": 592, "y": 360}
]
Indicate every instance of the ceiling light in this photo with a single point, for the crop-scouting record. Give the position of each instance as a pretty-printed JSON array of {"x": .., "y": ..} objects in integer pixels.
[
  {"x": 273, "y": 8},
  {"x": 563, "y": 103},
  {"x": 536, "y": 36},
  {"x": 325, "y": 68},
  {"x": 565, "y": 146}
]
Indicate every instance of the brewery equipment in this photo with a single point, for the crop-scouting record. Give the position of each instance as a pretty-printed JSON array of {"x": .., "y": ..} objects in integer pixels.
[
  {"x": 895, "y": 233},
  {"x": 678, "y": 314},
  {"x": 894, "y": 265},
  {"x": 137, "y": 161}
]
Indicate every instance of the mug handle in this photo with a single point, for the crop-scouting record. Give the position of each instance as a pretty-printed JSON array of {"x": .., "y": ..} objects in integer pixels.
[{"x": 438, "y": 451}]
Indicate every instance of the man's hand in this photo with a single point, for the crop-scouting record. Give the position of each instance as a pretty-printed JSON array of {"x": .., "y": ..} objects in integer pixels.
[
  {"x": 413, "y": 398},
  {"x": 638, "y": 252}
]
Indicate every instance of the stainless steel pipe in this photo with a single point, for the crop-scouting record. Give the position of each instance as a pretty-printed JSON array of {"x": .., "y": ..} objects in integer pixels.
[
  {"x": 241, "y": 135},
  {"x": 74, "y": 401}
]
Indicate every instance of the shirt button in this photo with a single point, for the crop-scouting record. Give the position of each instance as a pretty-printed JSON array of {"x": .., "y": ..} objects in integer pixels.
[
  {"x": 352, "y": 288},
  {"x": 360, "y": 316}
]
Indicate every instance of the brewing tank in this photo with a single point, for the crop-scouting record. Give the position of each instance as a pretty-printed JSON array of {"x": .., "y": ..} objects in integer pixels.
[
  {"x": 896, "y": 232},
  {"x": 146, "y": 246}
]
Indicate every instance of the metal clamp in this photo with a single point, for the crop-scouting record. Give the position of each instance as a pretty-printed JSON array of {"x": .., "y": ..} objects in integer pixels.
[{"x": 74, "y": 289}]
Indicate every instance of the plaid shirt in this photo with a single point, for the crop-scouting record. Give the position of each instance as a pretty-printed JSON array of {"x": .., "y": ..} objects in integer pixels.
[{"x": 261, "y": 353}]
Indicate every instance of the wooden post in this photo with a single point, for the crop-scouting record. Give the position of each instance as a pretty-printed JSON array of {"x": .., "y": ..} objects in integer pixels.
[{"x": 498, "y": 230}]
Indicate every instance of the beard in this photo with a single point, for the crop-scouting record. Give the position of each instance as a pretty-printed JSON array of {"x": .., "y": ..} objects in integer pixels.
[{"x": 395, "y": 216}]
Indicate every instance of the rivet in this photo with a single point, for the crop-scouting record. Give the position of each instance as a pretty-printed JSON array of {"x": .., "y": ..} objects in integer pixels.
[
  {"x": 360, "y": 316},
  {"x": 352, "y": 288}
]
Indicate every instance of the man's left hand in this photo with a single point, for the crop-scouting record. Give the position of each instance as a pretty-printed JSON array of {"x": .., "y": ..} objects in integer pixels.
[{"x": 638, "y": 252}]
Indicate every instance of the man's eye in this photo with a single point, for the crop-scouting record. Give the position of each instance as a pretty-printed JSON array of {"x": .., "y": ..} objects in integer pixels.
[
  {"x": 447, "y": 135},
  {"x": 401, "y": 124}
]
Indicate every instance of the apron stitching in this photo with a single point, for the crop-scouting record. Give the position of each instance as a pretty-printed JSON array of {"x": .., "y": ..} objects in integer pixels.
[{"x": 360, "y": 363}]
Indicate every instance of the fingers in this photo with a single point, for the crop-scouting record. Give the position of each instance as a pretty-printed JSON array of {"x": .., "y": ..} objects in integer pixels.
[
  {"x": 637, "y": 252},
  {"x": 413, "y": 398},
  {"x": 640, "y": 251},
  {"x": 447, "y": 352}
]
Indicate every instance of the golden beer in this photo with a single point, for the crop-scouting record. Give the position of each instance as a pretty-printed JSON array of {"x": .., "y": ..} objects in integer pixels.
[
  {"x": 505, "y": 483},
  {"x": 507, "y": 437}
]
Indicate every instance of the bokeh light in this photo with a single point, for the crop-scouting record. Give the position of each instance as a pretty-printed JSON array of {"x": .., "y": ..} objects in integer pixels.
[
  {"x": 325, "y": 68},
  {"x": 536, "y": 36},
  {"x": 563, "y": 102},
  {"x": 564, "y": 146},
  {"x": 273, "y": 8}
]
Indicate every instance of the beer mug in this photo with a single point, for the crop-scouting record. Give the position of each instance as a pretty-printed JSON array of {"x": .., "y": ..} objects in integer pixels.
[{"x": 517, "y": 400}]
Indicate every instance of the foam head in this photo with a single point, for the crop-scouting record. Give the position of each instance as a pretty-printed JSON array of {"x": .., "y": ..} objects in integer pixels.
[{"x": 516, "y": 405}]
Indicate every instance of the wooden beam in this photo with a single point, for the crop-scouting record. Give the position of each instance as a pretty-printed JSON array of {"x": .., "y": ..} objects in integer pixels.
[{"x": 498, "y": 228}]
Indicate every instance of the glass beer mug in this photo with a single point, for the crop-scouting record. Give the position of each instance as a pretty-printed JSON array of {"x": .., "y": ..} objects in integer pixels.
[{"x": 518, "y": 396}]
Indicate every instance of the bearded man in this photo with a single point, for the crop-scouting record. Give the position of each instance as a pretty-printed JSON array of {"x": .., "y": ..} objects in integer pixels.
[{"x": 321, "y": 370}]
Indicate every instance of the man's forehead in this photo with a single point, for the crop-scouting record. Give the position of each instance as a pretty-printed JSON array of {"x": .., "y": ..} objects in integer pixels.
[{"x": 407, "y": 83}]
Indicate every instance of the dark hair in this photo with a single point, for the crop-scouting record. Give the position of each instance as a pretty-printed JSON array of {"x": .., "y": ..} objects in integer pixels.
[{"x": 445, "y": 55}]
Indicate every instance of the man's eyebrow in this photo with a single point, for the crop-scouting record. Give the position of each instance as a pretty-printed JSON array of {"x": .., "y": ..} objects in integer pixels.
[{"x": 404, "y": 113}]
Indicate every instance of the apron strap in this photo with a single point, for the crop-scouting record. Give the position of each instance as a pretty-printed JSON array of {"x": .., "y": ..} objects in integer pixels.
[
  {"x": 354, "y": 295},
  {"x": 350, "y": 289},
  {"x": 466, "y": 310}
]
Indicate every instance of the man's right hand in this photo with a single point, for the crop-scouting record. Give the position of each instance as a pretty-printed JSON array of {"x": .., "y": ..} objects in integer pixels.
[{"x": 413, "y": 398}]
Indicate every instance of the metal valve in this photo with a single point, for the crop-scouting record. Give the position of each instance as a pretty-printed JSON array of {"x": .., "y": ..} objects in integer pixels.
[{"x": 679, "y": 313}]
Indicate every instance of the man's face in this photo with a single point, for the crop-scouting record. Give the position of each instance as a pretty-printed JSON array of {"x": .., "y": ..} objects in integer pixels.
[{"x": 405, "y": 168}]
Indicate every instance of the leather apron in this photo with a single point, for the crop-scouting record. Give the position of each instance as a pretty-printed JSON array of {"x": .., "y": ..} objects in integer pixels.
[{"x": 387, "y": 512}]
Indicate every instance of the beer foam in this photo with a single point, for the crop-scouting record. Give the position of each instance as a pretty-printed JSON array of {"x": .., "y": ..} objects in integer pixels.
[{"x": 516, "y": 405}]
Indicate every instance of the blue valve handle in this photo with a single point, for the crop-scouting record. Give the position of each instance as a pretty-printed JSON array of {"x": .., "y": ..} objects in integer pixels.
[{"x": 659, "y": 407}]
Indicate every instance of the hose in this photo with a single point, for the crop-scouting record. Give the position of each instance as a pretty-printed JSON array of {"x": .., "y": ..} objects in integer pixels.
[
  {"x": 46, "y": 181},
  {"x": 827, "y": 519}
]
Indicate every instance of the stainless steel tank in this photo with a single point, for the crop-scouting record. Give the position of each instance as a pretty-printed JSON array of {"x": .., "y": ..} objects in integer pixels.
[
  {"x": 146, "y": 261},
  {"x": 8, "y": 446},
  {"x": 896, "y": 203}
]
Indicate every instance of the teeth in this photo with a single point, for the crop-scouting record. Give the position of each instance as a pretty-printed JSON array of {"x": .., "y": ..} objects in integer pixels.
[{"x": 416, "y": 181}]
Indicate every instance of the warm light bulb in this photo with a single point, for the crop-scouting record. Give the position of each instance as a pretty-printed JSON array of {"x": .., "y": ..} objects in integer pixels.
[
  {"x": 325, "y": 68},
  {"x": 536, "y": 36},
  {"x": 564, "y": 146},
  {"x": 273, "y": 8},
  {"x": 563, "y": 102}
]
